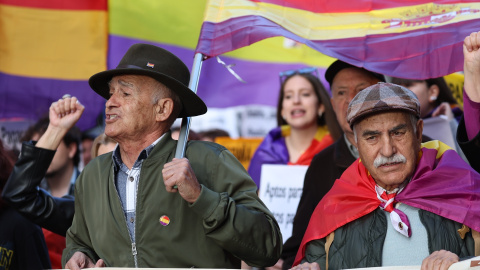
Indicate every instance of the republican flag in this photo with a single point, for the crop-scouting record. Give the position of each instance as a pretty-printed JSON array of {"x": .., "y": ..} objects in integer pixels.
[
  {"x": 48, "y": 49},
  {"x": 231, "y": 103},
  {"x": 412, "y": 39}
]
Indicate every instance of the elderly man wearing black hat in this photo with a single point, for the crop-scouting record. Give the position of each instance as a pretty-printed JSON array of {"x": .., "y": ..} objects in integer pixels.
[
  {"x": 401, "y": 202},
  {"x": 141, "y": 207},
  {"x": 345, "y": 82}
]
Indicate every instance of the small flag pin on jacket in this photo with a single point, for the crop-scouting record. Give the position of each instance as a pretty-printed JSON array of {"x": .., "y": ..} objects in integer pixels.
[{"x": 164, "y": 220}]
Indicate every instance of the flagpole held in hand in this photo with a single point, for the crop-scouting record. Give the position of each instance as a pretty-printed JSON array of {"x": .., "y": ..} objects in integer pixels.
[{"x": 185, "y": 127}]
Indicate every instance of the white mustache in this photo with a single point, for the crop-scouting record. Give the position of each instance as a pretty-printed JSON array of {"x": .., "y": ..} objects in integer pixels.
[{"x": 381, "y": 160}]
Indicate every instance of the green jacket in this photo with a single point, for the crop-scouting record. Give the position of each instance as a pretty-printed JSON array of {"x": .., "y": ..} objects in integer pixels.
[
  {"x": 359, "y": 244},
  {"x": 226, "y": 224}
]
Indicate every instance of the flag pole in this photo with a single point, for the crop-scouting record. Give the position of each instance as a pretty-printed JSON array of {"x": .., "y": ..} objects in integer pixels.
[{"x": 185, "y": 127}]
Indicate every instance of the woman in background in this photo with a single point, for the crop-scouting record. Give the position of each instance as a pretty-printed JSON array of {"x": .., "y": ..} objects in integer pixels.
[
  {"x": 435, "y": 97},
  {"x": 306, "y": 123}
]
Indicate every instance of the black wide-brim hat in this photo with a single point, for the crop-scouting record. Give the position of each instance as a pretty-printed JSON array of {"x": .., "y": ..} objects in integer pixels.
[{"x": 159, "y": 64}]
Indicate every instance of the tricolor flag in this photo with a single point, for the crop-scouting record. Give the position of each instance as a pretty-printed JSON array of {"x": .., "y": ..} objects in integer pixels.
[
  {"x": 168, "y": 24},
  {"x": 48, "y": 49},
  {"x": 411, "y": 39}
]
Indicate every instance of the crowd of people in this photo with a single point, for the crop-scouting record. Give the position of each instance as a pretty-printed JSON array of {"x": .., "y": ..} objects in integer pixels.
[{"x": 377, "y": 191}]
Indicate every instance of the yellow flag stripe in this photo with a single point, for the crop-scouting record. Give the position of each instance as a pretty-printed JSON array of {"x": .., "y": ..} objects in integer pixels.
[
  {"x": 328, "y": 26},
  {"x": 438, "y": 145},
  {"x": 46, "y": 43}
]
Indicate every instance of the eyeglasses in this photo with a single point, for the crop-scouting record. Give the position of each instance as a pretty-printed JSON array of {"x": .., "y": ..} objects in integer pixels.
[{"x": 306, "y": 70}]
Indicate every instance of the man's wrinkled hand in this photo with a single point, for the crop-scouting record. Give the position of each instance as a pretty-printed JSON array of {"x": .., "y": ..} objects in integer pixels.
[
  {"x": 80, "y": 261},
  {"x": 307, "y": 266},
  {"x": 178, "y": 173},
  {"x": 439, "y": 260}
]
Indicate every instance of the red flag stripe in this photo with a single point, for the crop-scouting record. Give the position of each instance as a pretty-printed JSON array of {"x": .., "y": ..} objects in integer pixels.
[
  {"x": 59, "y": 4},
  {"x": 354, "y": 5}
]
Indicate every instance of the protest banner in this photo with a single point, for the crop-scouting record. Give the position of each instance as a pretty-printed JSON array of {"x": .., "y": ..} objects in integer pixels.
[
  {"x": 438, "y": 128},
  {"x": 281, "y": 188}
]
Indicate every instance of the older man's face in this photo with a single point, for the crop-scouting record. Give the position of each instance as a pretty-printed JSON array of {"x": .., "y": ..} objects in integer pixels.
[
  {"x": 345, "y": 85},
  {"x": 388, "y": 146},
  {"x": 130, "y": 112}
]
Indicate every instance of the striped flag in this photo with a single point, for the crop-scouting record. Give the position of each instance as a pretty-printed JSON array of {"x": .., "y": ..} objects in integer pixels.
[
  {"x": 412, "y": 39},
  {"x": 168, "y": 24},
  {"x": 48, "y": 49}
]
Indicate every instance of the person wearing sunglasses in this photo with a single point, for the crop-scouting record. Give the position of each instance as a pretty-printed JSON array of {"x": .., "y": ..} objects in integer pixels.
[{"x": 306, "y": 123}]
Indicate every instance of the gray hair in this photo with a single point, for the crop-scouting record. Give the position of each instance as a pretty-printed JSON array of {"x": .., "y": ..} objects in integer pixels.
[{"x": 162, "y": 91}]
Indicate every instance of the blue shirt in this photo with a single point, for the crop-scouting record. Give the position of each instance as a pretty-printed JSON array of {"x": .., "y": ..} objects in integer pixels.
[{"x": 126, "y": 182}]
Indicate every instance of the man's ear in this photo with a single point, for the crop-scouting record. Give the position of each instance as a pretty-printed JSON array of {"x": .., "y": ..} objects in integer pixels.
[
  {"x": 419, "y": 129},
  {"x": 164, "y": 109}
]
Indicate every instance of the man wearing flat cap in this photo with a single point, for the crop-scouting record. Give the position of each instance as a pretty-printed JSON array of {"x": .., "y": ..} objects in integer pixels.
[
  {"x": 402, "y": 202},
  {"x": 141, "y": 207}
]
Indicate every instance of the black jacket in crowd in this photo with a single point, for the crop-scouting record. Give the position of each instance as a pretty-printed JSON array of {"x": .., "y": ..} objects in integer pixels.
[
  {"x": 22, "y": 245},
  {"x": 23, "y": 194}
]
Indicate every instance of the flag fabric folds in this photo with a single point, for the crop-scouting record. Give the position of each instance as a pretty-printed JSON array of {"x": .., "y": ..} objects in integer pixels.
[
  {"x": 50, "y": 48},
  {"x": 420, "y": 40},
  {"x": 178, "y": 30}
]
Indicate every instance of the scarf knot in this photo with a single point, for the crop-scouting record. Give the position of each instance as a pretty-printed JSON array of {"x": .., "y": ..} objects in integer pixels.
[{"x": 388, "y": 203}]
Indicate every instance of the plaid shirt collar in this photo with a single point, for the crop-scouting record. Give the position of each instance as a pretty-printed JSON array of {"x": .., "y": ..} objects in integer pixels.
[{"x": 117, "y": 159}]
